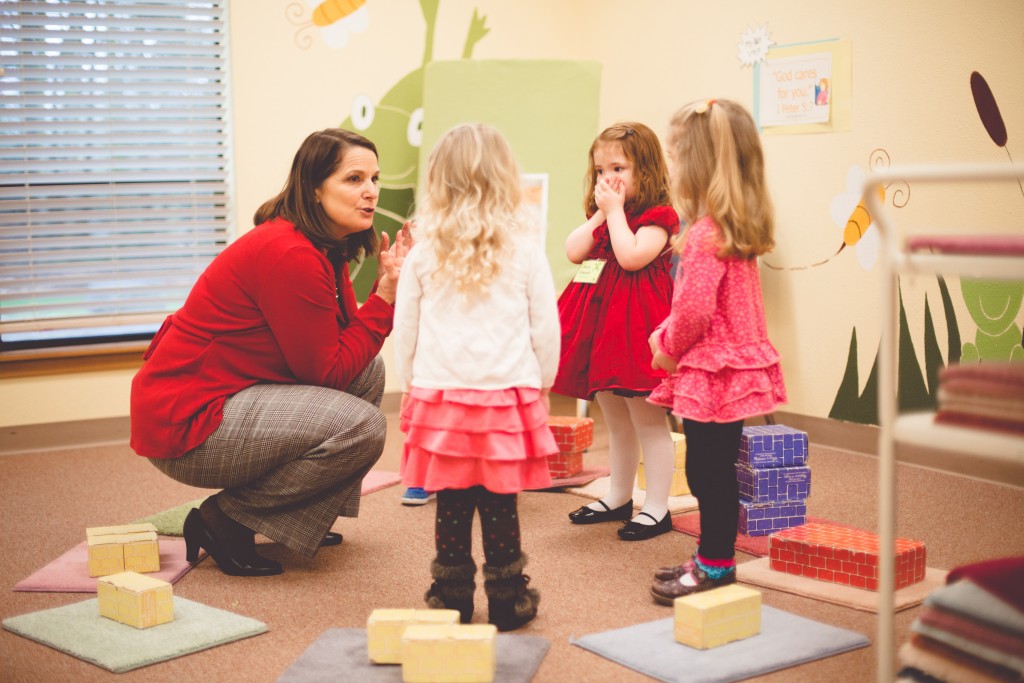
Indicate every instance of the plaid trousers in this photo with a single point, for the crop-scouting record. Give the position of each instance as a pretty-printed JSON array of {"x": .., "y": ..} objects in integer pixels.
[{"x": 290, "y": 458}]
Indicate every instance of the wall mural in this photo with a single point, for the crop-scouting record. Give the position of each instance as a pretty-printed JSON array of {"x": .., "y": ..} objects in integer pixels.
[
  {"x": 395, "y": 123},
  {"x": 993, "y": 306},
  {"x": 335, "y": 19}
]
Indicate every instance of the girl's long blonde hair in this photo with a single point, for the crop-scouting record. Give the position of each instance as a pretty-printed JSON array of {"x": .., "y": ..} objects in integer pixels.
[
  {"x": 469, "y": 205},
  {"x": 718, "y": 168}
]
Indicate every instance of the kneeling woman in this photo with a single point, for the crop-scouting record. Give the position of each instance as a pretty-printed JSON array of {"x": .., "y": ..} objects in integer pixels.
[{"x": 267, "y": 382}]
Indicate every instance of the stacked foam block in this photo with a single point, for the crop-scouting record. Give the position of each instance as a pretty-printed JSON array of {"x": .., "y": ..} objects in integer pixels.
[
  {"x": 126, "y": 548},
  {"x": 432, "y": 646},
  {"x": 842, "y": 555},
  {"x": 774, "y": 479},
  {"x": 573, "y": 436},
  {"x": 385, "y": 627},
  {"x": 711, "y": 618},
  {"x": 134, "y": 599},
  {"x": 449, "y": 653},
  {"x": 680, "y": 486}
]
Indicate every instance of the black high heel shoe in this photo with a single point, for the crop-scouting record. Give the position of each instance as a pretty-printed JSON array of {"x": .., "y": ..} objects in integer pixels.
[
  {"x": 331, "y": 538},
  {"x": 234, "y": 561}
]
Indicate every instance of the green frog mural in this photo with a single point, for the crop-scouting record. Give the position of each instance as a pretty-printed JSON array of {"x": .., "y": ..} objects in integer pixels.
[
  {"x": 994, "y": 306},
  {"x": 395, "y": 126}
]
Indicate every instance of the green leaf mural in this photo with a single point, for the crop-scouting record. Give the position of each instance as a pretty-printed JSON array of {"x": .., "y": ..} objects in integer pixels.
[
  {"x": 913, "y": 392},
  {"x": 952, "y": 331},
  {"x": 932, "y": 357},
  {"x": 849, "y": 404},
  {"x": 395, "y": 124}
]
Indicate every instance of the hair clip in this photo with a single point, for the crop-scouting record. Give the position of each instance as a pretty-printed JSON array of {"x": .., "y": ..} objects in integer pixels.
[
  {"x": 702, "y": 107},
  {"x": 629, "y": 131}
]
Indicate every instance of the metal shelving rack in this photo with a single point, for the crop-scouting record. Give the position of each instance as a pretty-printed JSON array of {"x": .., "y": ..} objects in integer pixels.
[{"x": 919, "y": 428}]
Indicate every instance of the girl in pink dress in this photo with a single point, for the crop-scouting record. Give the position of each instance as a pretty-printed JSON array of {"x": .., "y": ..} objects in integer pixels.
[
  {"x": 715, "y": 341},
  {"x": 621, "y": 292},
  {"x": 476, "y": 341}
]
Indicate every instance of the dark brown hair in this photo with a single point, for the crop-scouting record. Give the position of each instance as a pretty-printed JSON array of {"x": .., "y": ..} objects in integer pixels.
[
  {"x": 316, "y": 160},
  {"x": 650, "y": 172}
]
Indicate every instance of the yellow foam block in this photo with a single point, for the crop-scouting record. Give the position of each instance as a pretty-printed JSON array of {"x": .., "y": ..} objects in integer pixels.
[
  {"x": 449, "y": 653},
  {"x": 718, "y": 616},
  {"x": 680, "y": 485},
  {"x": 114, "y": 549},
  {"x": 385, "y": 627},
  {"x": 136, "y": 600},
  {"x": 679, "y": 442}
]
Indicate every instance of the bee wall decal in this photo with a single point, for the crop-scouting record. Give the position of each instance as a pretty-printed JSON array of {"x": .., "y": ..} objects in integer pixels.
[
  {"x": 851, "y": 216},
  {"x": 335, "y": 19}
]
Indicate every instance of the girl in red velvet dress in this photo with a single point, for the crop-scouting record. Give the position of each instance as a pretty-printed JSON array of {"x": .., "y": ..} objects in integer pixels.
[{"x": 621, "y": 292}]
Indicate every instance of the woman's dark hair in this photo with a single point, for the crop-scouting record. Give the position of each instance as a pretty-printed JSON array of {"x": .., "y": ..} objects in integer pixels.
[{"x": 317, "y": 159}]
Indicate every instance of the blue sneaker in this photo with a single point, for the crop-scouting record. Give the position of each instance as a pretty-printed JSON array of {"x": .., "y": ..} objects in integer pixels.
[{"x": 417, "y": 496}]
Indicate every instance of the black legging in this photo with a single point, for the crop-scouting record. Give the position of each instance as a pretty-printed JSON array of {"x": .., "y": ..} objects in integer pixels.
[
  {"x": 711, "y": 451},
  {"x": 499, "y": 525}
]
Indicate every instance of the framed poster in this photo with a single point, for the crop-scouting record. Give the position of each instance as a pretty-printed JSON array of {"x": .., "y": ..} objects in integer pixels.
[{"x": 804, "y": 88}]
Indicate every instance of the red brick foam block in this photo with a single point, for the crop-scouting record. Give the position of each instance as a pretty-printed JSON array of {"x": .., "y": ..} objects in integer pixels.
[
  {"x": 842, "y": 555},
  {"x": 572, "y": 434},
  {"x": 565, "y": 465}
]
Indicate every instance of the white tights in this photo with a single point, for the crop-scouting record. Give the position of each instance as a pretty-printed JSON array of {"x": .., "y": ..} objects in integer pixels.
[{"x": 633, "y": 423}]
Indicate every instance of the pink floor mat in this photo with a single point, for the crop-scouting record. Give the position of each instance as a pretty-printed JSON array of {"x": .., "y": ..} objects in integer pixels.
[
  {"x": 69, "y": 573},
  {"x": 584, "y": 477},
  {"x": 376, "y": 480}
]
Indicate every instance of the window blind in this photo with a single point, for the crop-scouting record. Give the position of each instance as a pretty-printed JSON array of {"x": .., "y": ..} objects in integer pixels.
[{"x": 113, "y": 164}]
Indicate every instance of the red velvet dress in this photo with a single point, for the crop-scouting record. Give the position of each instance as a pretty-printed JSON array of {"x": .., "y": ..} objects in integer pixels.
[{"x": 605, "y": 325}]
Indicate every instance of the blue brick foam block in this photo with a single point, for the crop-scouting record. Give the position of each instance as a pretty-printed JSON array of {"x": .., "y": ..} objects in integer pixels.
[
  {"x": 773, "y": 484},
  {"x": 762, "y": 519},
  {"x": 772, "y": 446}
]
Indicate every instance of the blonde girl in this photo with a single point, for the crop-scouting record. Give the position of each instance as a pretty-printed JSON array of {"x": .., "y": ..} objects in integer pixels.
[
  {"x": 476, "y": 345},
  {"x": 715, "y": 341},
  {"x": 621, "y": 292}
]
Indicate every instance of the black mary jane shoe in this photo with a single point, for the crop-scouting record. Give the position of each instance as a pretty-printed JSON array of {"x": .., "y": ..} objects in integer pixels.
[
  {"x": 330, "y": 538},
  {"x": 586, "y": 515},
  {"x": 635, "y": 531},
  {"x": 233, "y": 558}
]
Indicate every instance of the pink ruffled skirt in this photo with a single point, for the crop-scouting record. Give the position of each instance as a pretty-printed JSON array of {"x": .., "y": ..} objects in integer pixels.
[{"x": 458, "y": 438}]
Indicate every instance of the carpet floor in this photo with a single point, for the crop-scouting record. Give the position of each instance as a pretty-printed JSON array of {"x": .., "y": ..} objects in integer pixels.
[{"x": 590, "y": 580}]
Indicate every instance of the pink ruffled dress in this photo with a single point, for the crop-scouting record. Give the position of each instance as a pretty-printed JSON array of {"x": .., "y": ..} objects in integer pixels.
[
  {"x": 458, "y": 438},
  {"x": 727, "y": 369}
]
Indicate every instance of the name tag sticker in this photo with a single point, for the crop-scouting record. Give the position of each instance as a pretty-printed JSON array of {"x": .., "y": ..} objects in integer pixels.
[{"x": 589, "y": 271}]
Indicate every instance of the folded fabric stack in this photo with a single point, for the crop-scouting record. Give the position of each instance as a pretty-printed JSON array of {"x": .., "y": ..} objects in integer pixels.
[
  {"x": 971, "y": 629},
  {"x": 983, "y": 395}
]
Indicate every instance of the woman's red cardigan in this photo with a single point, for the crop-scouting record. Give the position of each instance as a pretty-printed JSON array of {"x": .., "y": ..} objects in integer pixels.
[{"x": 270, "y": 308}]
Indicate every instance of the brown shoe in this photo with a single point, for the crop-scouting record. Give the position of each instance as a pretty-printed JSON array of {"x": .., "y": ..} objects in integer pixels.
[
  {"x": 674, "y": 572},
  {"x": 665, "y": 592}
]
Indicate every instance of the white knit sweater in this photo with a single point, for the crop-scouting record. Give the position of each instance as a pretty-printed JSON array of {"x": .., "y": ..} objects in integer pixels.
[{"x": 508, "y": 338}]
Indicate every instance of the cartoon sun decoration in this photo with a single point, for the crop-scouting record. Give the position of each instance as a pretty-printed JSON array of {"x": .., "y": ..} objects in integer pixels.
[{"x": 754, "y": 44}]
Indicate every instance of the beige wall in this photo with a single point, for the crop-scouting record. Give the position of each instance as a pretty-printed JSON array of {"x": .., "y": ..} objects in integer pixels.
[{"x": 911, "y": 66}]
